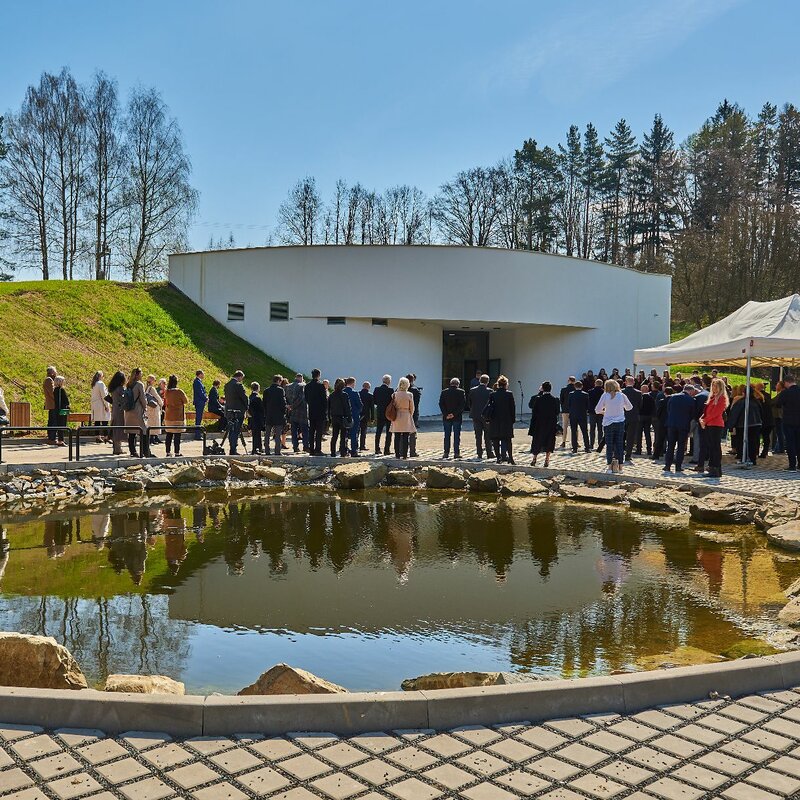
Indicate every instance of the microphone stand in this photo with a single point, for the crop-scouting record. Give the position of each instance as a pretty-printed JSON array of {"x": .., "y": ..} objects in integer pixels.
[{"x": 521, "y": 398}]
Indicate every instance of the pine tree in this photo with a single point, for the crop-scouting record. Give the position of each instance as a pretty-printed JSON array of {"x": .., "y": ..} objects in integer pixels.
[
  {"x": 620, "y": 153},
  {"x": 591, "y": 180},
  {"x": 571, "y": 166}
]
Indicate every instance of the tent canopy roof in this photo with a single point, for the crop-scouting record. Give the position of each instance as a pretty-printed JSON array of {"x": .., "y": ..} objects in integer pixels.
[{"x": 769, "y": 331}]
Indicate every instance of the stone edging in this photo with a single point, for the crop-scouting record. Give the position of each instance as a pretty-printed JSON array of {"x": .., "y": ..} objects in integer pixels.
[{"x": 364, "y": 712}]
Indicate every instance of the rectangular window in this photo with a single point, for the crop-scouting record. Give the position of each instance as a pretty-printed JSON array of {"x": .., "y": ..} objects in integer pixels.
[
  {"x": 235, "y": 312},
  {"x": 336, "y": 320},
  {"x": 279, "y": 312},
  {"x": 380, "y": 322}
]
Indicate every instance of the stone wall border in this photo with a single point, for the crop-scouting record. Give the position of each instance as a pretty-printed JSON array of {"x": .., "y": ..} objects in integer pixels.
[{"x": 358, "y": 712}]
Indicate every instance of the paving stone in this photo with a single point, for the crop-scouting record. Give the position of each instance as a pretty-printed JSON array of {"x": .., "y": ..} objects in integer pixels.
[
  {"x": 449, "y": 776},
  {"x": 32, "y": 793},
  {"x": 670, "y": 789},
  {"x": 774, "y": 782},
  {"x": 598, "y": 786},
  {"x": 148, "y": 789},
  {"x": 746, "y": 750},
  {"x": 510, "y": 728},
  {"x": 413, "y": 789},
  {"x": 74, "y": 786},
  {"x": 657, "y": 719},
  {"x": 411, "y": 734},
  {"x": 142, "y": 740},
  {"x": 413, "y": 758},
  {"x": 761, "y": 703},
  {"x": 262, "y": 781},
  {"x": 275, "y": 749},
  {"x": 445, "y": 746},
  {"x": 677, "y": 746},
  {"x": 553, "y": 768},
  {"x": 792, "y": 713},
  {"x": 209, "y": 745},
  {"x": 476, "y": 734},
  {"x": 377, "y": 772},
  {"x": 312, "y": 740},
  {"x": 682, "y": 710},
  {"x": 523, "y": 782},
  {"x": 11, "y": 779},
  {"x": 700, "y": 776},
  {"x": 36, "y": 746},
  {"x": 652, "y": 759},
  {"x": 11, "y": 732},
  {"x": 342, "y": 754},
  {"x": 482, "y": 763},
  {"x": 742, "y": 713},
  {"x": 74, "y": 737},
  {"x": 298, "y": 793},
  {"x": 787, "y": 764},
  {"x": 513, "y": 750},
  {"x": 542, "y": 738},
  {"x": 724, "y": 763},
  {"x": 167, "y": 755},
  {"x": 125, "y": 770},
  {"x": 745, "y": 791},
  {"x": 571, "y": 727},
  {"x": 768, "y": 739},
  {"x": 602, "y": 720},
  {"x": 375, "y": 743},
  {"x": 192, "y": 775},
  {"x": 52, "y": 766},
  {"x": 235, "y": 760},
  {"x": 624, "y": 771},
  {"x": 581, "y": 754},
  {"x": 338, "y": 786},
  {"x": 718, "y": 722},
  {"x": 487, "y": 791},
  {"x": 305, "y": 767},
  {"x": 699, "y": 734},
  {"x": 634, "y": 730},
  {"x": 220, "y": 791},
  {"x": 5, "y": 759},
  {"x": 101, "y": 751},
  {"x": 608, "y": 741},
  {"x": 785, "y": 727},
  {"x": 782, "y": 696},
  {"x": 562, "y": 794}
]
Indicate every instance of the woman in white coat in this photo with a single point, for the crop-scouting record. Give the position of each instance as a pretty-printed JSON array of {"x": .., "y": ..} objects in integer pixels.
[{"x": 101, "y": 409}]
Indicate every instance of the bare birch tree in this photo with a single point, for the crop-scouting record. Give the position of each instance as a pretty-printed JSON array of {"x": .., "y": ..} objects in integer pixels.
[{"x": 299, "y": 213}]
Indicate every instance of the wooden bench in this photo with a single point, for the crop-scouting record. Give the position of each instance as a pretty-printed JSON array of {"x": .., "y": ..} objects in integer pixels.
[{"x": 81, "y": 419}]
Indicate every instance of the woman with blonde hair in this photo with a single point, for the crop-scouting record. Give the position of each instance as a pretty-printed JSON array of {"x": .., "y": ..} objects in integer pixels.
[
  {"x": 403, "y": 425},
  {"x": 613, "y": 405},
  {"x": 712, "y": 421},
  {"x": 101, "y": 408}
]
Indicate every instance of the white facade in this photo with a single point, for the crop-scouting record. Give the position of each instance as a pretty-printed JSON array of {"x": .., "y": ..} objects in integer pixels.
[{"x": 545, "y": 316}]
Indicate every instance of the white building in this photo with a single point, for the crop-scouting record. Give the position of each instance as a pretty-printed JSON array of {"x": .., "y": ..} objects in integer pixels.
[{"x": 437, "y": 311}]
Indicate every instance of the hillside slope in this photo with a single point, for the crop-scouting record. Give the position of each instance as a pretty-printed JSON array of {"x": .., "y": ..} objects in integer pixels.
[{"x": 83, "y": 326}]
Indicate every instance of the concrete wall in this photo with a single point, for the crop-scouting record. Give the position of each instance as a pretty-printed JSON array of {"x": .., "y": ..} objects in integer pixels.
[{"x": 594, "y": 314}]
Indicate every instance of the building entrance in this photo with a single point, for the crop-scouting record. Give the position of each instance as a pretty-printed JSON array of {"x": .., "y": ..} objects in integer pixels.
[{"x": 463, "y": 353}]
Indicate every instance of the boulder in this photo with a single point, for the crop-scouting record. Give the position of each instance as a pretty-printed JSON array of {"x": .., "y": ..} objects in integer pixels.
[
  {"x": 790, "y": 613},
  {"x": 159, "y": 483},
  {"x": 775, "y": 512},
  {"x": 307, "y": 474},
  {"x": 143, "y": 684},
  {"x": 217, "y": 471},
  {"x": 786, "y": 536},
  {"x": 521, "y": 485},
  {"x": 666, "y": 500},
  {"x": 593, "y": 494},
  {"x": 242, "y": 471},
  {"x": 793, "y": 589},
  {"x": 450, "y": 680},
  {"x": 487, "y": 480},
  {"x": 283, "y": 679},
  {"x": 445, "y": 478},
  {"x": 359, "y": 474},
  {"x": 401, "y": 477},
  {"x": 186, "y": 475},
  {"x": 126, "y": 485},
  {"x": 271, "y": 474},
  {"x": 37, "y": 662},
  {"x": 723, "y": 509}
]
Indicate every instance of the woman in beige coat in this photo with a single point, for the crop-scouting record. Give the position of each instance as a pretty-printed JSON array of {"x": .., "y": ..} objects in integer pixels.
[
  {"x": 136, "y": 417},
  {"x": 403, "y": 425}
]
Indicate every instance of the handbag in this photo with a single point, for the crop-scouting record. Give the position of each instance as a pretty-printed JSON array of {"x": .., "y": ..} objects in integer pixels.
[
  {"x": 391, "y": 411},
  {"x": 347, "y": 423},
  {"x": 488, "y": 411}
]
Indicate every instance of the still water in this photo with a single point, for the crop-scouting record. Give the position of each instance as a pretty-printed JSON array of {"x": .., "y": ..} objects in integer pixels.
[{"x": 374, "y": 587}]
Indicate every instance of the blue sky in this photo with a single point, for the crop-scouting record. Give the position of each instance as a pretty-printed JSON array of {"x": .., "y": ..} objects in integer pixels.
[{"x": 409, "y": 92}]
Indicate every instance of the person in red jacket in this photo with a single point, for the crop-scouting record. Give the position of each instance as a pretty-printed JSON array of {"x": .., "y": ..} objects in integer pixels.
[{"x": 712, "y": 421}]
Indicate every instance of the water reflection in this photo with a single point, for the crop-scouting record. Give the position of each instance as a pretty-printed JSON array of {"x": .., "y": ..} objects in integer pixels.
[{"x": 372, "y": 588}]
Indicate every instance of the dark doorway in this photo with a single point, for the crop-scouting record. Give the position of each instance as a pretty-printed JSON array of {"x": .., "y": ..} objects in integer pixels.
[{"x": 463, "y": 353}]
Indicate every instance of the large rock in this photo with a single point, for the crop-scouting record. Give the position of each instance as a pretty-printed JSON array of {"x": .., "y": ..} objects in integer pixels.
[
  {"x": 271, "y": 474},
  {"x": 445, "y": 478},
  {"x": 308, "y": 474},
  {"x": 157, "y": 484},
  {"x": 450, "y": 680},
  {"x": 183, "y": 476},
  {"x": 786, "y": 536},
  {"x": 37, "y": 662},
  {"x": 242, "y": 471},
  {"x": 283, "y": 679},
  {"x": 775, "y": 512},
  {"x": 521, "y": 485},
  {"x": 723, "y": 509},
  {"x": 401, "y": 477},
  {"x": 790, "y": 613},
  {"x": 359, "y": 474},
  {"x": 793, "y": 589},
  {"x": 217, "y": 471},
  {"x": 593, "y": 494},
  {"x": 487, "y": 480},
  {"x": 143, "y": 684},
  {"x": 666, "y": 500},
  {"x": 126, "y": 485}
]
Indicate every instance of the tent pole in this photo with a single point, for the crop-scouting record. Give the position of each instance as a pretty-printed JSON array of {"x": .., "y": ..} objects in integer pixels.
[{"x": 745, "y": 455}]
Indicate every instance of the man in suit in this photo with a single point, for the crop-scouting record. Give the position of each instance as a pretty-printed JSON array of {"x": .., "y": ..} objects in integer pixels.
[
  {"x": 317, "y": 402},
  {"x": 578, "y": 407},
  {"x": 681, "y": 411},
  {"x": 562, "y": 399},
  {"x": 632, "y": 416},
  {"x": 214, "y": 404},
  {"x": 476, "y": 380},
  {"x": 355, "y": 407},
  {"x": 789, "y": 401},
  {"x": 646, "y": 412},
  {"x": 236, "y": 404},
  {"x": 382, "y": 396},
  {"x": 274, "y": 414},
  {"x": 416, "y": 393},
  {"x": 367, "y": 413},
  {"x": 595, "y": 419},
  {"x": 199, "y": 398},
  {"x": 255, "y": 411},
  {"x": 478, "y": 398},
  {"x": 298, "y": 412},
  {"x": 452, "y": 402}
]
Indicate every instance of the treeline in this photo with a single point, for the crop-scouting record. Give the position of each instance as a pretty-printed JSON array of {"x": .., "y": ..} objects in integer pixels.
[
  {"x": 89, "y": 186},
  {"x": 718, "y": 212}
]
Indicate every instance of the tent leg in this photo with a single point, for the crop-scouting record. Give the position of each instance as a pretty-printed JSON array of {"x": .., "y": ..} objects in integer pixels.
[{"x": 746, "y": 463}]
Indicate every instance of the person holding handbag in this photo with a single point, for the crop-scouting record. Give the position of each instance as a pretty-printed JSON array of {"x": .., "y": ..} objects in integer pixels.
[
  {"x": 101, "y": 408},
  {"x": 403, "y": 424},
  {"x": 341, "y": 415},
  {"x": 155, "y": 405}
]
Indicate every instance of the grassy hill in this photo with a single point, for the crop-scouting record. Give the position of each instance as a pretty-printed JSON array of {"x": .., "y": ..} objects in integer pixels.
[{"x": 83, "y": 326}]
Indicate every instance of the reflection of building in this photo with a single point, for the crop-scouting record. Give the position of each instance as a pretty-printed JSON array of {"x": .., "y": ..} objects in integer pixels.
[{"x": 438, "y": 311}]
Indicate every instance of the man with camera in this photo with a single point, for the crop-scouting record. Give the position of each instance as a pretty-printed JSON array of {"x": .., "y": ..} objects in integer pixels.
[{"x": 235, "y": 408}]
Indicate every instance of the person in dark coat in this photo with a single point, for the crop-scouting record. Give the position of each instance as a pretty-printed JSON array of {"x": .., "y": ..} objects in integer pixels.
[
  {"x": 341, "y": 415},
  {"x": 274, "y": 413},
  {"x": 478, "y": 398},
  {"x": 501, "y": 425},
  {"x": 382, "y": 396},
  {"x": 565, "y": 392},
  {"x": 544, "y": 423},
  {"x": 660, "y": 422},
  {"x": 255, "y": 411},
  {"x": 199, "y": 398},
  {"x": 317, "y": 400},
  {"x": 736, "y": 416},
  {"x": 578, "y": 408},
  {"x": 767, "y": 421},
  {"x": 452, "y": 402},
  {"x": 215, "y": 405},
  {"x": 416, "y": 393},
  {"x": 236, "y": 404},
  {"x": 367, "y": 412},
  {"x": 632, "y": 416},
  {"x": 595, "y": 419},
  {"x": 355, "y": 407},
  {"x": 681, "y": 411},
  {"x": 788, "y": 400},
  {"x": 646, "y": 412}
]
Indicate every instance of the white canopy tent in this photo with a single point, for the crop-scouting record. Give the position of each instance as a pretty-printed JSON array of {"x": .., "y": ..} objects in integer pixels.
[{"x": 757, "y": 334}]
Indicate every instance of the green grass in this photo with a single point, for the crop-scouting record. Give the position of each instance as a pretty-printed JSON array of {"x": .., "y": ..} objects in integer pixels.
[{"x": 83, "y": 326}]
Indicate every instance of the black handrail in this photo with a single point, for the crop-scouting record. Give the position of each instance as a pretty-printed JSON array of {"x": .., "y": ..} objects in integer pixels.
[
  {"x": 142, "y": 432},
  {"x": 8, "y": 429}
]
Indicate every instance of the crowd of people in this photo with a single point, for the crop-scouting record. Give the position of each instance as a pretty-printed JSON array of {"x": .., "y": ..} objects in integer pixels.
[{"x": 661, "y": 416}]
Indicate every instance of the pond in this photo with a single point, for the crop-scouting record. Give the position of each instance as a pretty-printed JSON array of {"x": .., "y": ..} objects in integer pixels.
[{"x": 369, "y": 588}]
